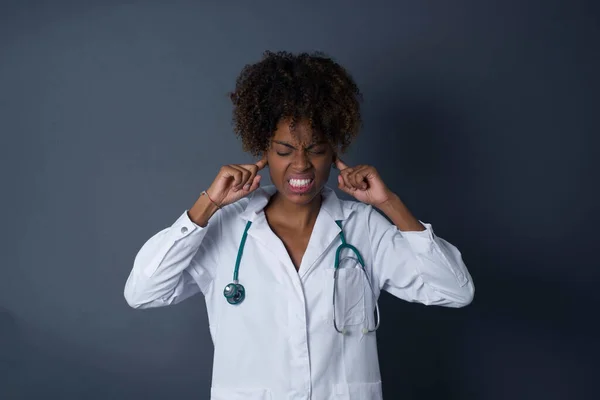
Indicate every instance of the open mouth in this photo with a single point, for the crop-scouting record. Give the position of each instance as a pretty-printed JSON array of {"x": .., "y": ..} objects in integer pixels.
[{"x": 300, "y": 185}]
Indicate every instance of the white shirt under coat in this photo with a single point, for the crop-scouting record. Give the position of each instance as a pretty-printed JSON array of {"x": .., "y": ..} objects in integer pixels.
[{"x": 280, "y": 342}]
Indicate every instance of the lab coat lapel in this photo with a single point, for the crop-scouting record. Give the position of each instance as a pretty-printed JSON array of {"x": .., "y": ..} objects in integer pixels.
[
  {"x": 325, "y": 232},
  {"x": 260, "y": 229}
]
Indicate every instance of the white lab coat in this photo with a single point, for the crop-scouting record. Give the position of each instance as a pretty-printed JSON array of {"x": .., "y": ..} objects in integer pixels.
[{"x": 280, "y": 342}]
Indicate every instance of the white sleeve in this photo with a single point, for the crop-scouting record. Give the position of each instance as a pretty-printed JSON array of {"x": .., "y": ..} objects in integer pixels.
[
  {"x": 418, "y": 266},
  {"x": 174, "y": 264}
]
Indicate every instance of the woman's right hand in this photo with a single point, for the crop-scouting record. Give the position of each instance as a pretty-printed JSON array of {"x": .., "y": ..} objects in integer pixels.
[{"x": 235, "y": 181}]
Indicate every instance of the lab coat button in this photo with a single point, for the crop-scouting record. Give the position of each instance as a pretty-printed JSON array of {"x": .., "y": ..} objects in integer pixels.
[{"x": 184, "y": 230}]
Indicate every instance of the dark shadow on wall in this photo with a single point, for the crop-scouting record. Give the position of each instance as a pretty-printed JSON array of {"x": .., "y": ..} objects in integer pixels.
[
  {"x": 412, "y": 148},
  {"x": 11, "y": 349},
  {"x": 523, "y": 337},
  {"x": 526, "y": 335}
]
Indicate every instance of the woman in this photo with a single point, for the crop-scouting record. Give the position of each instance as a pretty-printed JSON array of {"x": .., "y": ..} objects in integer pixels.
[{"x": 266, "y": 258}]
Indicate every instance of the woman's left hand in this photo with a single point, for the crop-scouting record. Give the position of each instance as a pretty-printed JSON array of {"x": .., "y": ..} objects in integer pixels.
[{"x": 363, "y": 183}]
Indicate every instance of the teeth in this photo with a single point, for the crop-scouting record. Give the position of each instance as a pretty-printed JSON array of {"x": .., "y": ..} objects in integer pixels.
[{"x": 300, "y": 182}]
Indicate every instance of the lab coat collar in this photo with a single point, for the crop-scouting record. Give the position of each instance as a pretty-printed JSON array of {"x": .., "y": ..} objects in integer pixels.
[{"x": 325, "y": 230}]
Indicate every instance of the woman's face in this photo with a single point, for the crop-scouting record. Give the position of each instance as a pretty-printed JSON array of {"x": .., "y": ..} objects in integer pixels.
[{"x": 299, "y": 166}]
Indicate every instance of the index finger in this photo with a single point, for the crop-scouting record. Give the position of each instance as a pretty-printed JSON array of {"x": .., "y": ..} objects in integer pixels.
[
  {"x": 339, "y": 164},
  {"x": 261, "y": 163}
]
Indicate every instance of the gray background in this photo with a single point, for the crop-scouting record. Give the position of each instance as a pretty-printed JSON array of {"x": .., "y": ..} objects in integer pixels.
[{"x": 481, "y": 115}]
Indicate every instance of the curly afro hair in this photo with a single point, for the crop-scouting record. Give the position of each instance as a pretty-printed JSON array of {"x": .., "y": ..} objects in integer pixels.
[{"x": 303, "y": 86}]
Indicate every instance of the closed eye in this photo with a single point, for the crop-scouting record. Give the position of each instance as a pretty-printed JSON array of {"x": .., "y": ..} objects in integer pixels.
[{"x": 312, "y": 151}]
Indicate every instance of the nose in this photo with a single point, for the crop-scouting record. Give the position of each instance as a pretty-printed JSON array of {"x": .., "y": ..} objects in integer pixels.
[{"x": 301, "y": 161}]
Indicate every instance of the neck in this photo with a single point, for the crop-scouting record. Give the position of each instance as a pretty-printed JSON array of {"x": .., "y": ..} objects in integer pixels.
[{"x": 296, "y": 216}]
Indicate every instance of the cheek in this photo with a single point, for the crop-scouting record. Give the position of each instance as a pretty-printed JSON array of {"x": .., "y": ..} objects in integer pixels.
[
  {"x": 324, "y": 168},
  {"x": 276, "y": 168}
]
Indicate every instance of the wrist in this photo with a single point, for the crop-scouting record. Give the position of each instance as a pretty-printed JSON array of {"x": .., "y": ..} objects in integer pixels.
[
  {"x": 202, "y": 210},
  {"x": 392, "y": 203}
]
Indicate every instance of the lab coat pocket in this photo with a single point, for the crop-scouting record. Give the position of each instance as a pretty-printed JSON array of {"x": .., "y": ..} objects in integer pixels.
[
  {"x": 350, "y": 289},
  {"x": 227, "y": 393},
  {"x": 358, "y": 391}
]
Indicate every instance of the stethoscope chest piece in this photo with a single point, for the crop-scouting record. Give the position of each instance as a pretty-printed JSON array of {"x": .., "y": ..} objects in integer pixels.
[{"x": 234, "y": 293}]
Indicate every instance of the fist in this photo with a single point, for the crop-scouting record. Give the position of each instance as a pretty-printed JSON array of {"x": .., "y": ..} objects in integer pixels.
[
  {"x": 363, "y": 183},
  {"x": 235, "y": 181}
]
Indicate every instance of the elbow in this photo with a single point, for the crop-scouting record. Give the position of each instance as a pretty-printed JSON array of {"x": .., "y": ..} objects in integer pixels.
[
  {"x": 143, "y": 295},
  {"x": 454, "y": 297},
  {"x": 133, "y": 300},
  {"x": 465, "y": 295}
]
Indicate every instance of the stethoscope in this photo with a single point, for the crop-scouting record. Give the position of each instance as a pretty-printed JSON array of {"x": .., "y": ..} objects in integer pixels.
[{"x": 235, "y": 292}]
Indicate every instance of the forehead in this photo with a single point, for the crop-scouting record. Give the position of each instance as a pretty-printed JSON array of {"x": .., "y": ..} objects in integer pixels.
[{"x": 300, "y": 133}]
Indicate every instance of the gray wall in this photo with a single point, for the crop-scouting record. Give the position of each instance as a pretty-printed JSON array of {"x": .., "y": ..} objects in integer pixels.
[{"x": 481, "y": 115}]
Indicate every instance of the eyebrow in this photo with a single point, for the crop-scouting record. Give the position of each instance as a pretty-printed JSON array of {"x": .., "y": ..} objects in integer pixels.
[{"x": 292, "y": 147}]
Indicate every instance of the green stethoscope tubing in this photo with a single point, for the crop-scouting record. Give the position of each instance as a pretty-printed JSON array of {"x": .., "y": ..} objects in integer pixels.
[{"x": 235, "y": 293}]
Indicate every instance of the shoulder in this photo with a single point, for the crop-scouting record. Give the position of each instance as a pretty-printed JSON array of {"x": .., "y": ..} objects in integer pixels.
[
  {"x": 364, "y": 217},
  {"x": 232, "y": 212},
  {"x": 356, "y": 212},
  {"x": 246, "y": 208},
  {"x": 345, "y": 207},
  {"x": 355, "y": 206},
  {"x": 359, "y": 214}
]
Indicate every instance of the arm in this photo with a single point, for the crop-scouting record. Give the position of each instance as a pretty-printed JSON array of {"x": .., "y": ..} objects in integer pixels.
[
  {"x": 412, "y": 263},
  {"x": 177, "y": 262},
  {"x": 180, "y": 261}
]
